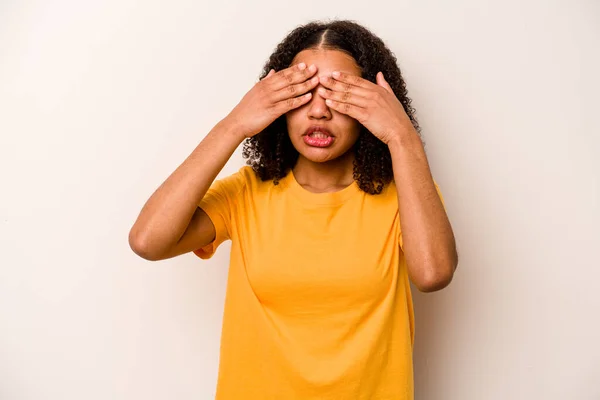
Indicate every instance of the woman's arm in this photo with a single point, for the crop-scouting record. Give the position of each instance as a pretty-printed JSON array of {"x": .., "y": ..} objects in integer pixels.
[
  {"x": 170, "y": 222},
  {"x": 428, "y": 241},
  {"x": 172, "y": 210}
]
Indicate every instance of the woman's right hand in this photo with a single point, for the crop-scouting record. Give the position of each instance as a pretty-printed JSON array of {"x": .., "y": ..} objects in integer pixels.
[{"x": 274, "y": 95}]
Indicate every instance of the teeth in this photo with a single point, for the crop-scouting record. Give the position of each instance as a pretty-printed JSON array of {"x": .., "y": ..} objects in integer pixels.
[{"x": 319, "y": 135}]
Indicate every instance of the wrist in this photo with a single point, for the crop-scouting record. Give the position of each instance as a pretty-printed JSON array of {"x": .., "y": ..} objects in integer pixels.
[
  {"x": 404, "y": 138},
  {"x": 233, "y": 129}
]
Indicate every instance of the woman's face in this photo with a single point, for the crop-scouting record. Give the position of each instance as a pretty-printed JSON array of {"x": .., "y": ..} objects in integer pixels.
[{"x": 339, "y": 130}]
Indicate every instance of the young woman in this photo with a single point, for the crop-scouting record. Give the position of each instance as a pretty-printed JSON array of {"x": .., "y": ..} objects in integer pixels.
[{"x": 334, "y": 215}]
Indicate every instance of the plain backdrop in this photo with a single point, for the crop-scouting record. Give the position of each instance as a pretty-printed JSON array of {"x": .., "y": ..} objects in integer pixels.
[{"x": 101, "y": 101}]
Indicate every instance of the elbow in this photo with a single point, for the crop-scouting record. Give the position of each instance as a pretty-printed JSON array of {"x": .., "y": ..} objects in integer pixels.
[
  {"x": 432, "y": 270},
  {"x": 433, "y": 284},
  {"x": 435, "y": 279},
  {"x": 139, "y": 244}
]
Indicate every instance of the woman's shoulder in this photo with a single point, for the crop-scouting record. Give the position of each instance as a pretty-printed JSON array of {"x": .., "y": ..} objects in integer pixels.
[
  {"x": 247, "y": 174},
  {"x": 244, "y": 179},
  {"x": 235, "y": 182}
]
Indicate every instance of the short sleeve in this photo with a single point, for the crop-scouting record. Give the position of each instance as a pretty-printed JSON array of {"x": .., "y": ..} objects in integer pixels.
[
  {"x": 220, "y": 204},
  {"x": 439, "y": 192}
]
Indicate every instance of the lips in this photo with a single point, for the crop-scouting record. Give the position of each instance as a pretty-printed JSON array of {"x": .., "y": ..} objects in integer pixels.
[{"x": 317, "y": 136}]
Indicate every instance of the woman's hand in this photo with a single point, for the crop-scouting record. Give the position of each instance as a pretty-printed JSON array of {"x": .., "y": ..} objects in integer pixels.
[
  {"x": 274, "y": 95},
  {"x": 375, "y": 106}
]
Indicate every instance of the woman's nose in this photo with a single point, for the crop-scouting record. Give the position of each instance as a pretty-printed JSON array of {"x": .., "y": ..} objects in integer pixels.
[{"x": 317, "y": 106}]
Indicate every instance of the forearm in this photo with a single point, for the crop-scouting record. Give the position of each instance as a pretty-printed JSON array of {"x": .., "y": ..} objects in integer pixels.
[
  {"x": 428, "y": 241},
  {"x": 167, "y": 213}
]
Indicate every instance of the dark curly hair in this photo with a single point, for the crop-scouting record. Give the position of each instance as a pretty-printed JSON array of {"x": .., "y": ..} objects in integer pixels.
[{"x": 271, "y": 154}]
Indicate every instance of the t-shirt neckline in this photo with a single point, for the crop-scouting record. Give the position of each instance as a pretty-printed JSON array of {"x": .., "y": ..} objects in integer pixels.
[{"x": 326, "y": 198}]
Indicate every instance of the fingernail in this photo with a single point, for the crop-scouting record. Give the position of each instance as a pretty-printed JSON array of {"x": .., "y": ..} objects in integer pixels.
[
  {"x": 301, "y": 66},
  {"x": 312, "y": 68},
  {"x": 335, "y": 74}
]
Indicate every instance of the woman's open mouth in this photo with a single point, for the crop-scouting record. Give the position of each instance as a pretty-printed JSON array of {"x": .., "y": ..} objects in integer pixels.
[{"x": 317, "y": 136}]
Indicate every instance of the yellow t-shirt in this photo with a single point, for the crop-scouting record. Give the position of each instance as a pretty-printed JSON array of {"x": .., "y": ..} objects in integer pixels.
[{"x": 318, "y": 302}]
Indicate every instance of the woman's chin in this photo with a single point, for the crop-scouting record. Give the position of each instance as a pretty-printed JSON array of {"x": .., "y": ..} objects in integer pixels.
[
  {"x": 320, "y": 155},
  {"x": 322, "y": 158}
]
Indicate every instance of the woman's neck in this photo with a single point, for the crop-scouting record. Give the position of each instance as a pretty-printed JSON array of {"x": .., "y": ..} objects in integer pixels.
[{"x": 330, "y": 176}]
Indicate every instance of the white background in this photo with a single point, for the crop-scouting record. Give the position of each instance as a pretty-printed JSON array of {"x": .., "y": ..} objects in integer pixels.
[{"x": 101, "y": 101}]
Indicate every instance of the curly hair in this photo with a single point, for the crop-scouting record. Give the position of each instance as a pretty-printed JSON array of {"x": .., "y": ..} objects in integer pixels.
[{"x": 271, "y": 154}]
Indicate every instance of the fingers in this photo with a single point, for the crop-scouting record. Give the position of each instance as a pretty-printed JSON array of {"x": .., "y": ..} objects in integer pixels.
[
  {"x": 293, "y": 102},
  {"x": 290, "y": 86},
  {"x": 344, "y": 97},
  {"x": 358, "y": 113},
  {"x": 293, "y": 75},
  {"x": 381, "y": 81},
  {"x": 335, "y": 84},
  {"x": 353, "y": 80},
  {"x": 294, "y": 90},
  {"x": 351, "y": 89},
  {"x": 271, "y": 73},
  {"x": 290, "y": 82}
]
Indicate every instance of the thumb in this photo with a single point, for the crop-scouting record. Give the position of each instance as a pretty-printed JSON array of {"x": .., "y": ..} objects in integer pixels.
[
  {"x": 382, "y": 82},
  {"x": 268, "y": 75}
]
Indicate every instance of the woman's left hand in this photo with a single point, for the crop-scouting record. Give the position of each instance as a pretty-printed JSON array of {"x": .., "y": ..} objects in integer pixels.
[{"x": 375, "y": 106}]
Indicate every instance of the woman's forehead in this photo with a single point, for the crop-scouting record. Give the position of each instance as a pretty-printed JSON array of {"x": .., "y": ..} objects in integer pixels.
[{"x": 328, "y": 60}]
